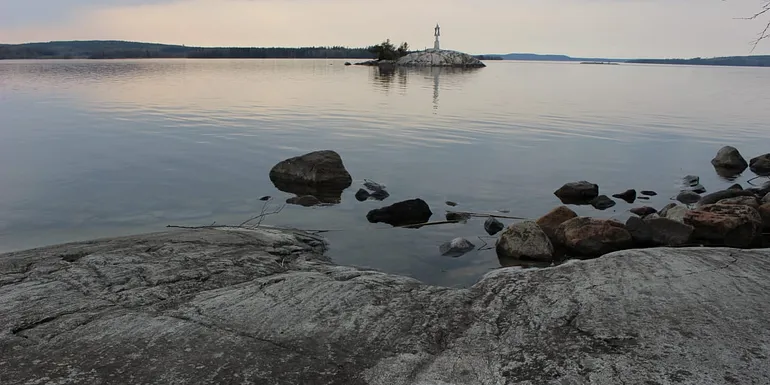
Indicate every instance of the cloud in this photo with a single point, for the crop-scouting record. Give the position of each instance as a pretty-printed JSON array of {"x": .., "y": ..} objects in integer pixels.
[{"x": 633, "y": 28}]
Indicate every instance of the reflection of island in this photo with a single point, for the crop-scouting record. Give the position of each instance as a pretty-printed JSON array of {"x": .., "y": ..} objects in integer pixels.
[{"x": 383, "y": 77}]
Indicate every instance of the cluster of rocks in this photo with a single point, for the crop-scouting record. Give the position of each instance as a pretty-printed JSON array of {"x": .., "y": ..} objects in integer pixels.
[
  {"x": 587, "y": 193},
  {"x": 732, "y": 218}
]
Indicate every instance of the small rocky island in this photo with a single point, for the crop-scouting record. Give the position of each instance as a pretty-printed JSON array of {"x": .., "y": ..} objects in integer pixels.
[{"x": 434, "y": 57}]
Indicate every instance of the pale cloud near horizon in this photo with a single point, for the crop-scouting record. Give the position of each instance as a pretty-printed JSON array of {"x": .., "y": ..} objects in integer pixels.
[{"x": 605, "y": 28}]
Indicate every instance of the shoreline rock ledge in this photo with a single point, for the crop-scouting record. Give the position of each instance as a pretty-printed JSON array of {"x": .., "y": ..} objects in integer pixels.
[{"x": 265, "y": 306}]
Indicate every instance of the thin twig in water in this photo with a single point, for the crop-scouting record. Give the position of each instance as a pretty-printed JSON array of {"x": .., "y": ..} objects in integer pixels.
[
  {"x": 418, "y": 225},
  {"x": 754, "y": 178},
  {"x": 484, "y": 246},
  {"x": 262, "y": 216},
  {"x": 484, "y": 215}
]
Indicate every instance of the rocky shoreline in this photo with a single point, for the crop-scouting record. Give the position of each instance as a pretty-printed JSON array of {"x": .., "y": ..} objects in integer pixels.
[
  {"x": 735, "y": 217},
  {"x": 265, "y": 306}
]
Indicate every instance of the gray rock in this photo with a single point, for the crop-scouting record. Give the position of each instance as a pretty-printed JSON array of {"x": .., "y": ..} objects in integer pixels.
[
  {"x": 667, "y": 232},
  {"x": 380, "y": 195},
  {"x": 691, "y": 180},
  {"x": 688, "y": 197},
  {"x": 652, "y": 216},
  {"x": 629, "y": 196},
  {"x": 724, "y": 194},
  {"x": 602, "y": 202},
  {"x": 320, "y": 174},
  {"x": 374, "y": 186},
  {"x": 410, "y": 212},
  {"x": 736, "y": 186},
  {"x": 215, "y": 307},
  {"x": 493, "y": 226},
  {"x": 676, "y": 213},
  {"x": 729, "y": 158},
  {"x": 746, "y": 201},
  {"x": 698, "y": 189},
  {"x": 760, "y": 165},
  {"x": 577, "y": 192},
  {"x": 766, "y": 199},
  {"x": 667, "y": 207},
  {"x": 640, "y": 231},
  {"x": 524, "y": 240},
  {"x": 643, "y": 211},
  {"x": 456, "y": 247}
]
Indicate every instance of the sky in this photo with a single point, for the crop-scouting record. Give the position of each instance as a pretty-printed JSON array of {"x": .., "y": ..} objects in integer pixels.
[{"x": 584, "y": 28}]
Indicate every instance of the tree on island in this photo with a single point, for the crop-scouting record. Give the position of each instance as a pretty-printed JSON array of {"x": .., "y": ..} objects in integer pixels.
[{"x": 387, "y": 51}]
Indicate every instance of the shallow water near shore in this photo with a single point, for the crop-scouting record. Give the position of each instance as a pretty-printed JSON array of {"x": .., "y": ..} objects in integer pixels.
[{"x": 106, "y": 148}]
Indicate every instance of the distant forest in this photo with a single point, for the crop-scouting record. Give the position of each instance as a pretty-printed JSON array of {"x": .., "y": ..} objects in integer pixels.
[
  {"x": 134, "y": 50},
  {"x": 735, "y": 61}
]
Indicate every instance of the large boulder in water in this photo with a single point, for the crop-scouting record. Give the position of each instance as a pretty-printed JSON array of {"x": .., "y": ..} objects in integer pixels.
[
  {"x": 726, "y": 225},
  {"x": 760, "y": 165},
  {"x": 730, "y": 161},
  {"x": 410, "y": 212},
  {"x": 320, "y": 174},
  {"x": 577, "y": 192},
  {"x": 439, "y": 58},
  {"x": 524, "y": 240},
  {"x": 267, "y": 307},
  {"x": 589, "y": 237}
]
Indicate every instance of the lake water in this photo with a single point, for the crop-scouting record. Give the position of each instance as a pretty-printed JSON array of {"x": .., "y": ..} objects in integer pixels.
[{"x": 104, "y": 148}]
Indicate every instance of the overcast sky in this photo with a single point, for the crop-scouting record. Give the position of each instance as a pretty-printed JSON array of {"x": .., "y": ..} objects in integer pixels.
[{"x": 603, "y": 28}]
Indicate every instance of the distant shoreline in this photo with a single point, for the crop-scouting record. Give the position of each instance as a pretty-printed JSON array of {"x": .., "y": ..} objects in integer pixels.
[{"x": 113, "y": 49}]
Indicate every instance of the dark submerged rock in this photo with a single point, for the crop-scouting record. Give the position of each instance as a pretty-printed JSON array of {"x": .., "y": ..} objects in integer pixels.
[
  {"x": 320, "y": 174},
  {"x": 577, "y": 192},
  {"x": 628, "y": 196},
  {"x": 451, "y": 204},
  {"x": 644, "y": 198},
  {"x": 648, "y": 193},
  {"x": 691, "y": 180},
  {"x": 729, "y": 158},
  {"x": 698, "y": 189},
  {"x": 456, "y": 247},
  {"x": 525, "y": 240},
  {"x": 305, "y": 201},
  {"x": 265, "y": 198},
  {"x": 760, "y": 165},
  {"x": 362, "y": 195},
  {"x": 457, "y": 217},
  {"x": 493, "y": 226},
  {"x": 410, "y": 212},
  {"x": 380, "y": 195},
  {"x": 602, "y": 202}
]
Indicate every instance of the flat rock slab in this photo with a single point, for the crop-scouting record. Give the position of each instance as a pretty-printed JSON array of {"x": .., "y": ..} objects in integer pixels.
[{"x": 265, "y": 307}]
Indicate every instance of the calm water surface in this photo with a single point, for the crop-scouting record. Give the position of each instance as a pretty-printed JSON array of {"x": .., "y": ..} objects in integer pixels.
[{"x": 103, "y": 148}]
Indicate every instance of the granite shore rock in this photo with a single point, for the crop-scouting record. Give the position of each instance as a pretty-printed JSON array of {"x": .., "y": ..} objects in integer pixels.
[{"x": 267, "y": 306}]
